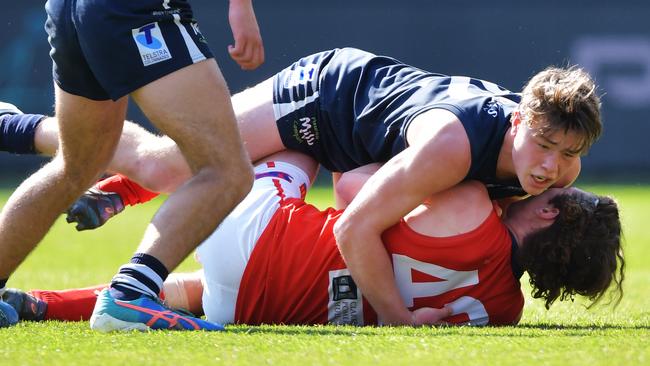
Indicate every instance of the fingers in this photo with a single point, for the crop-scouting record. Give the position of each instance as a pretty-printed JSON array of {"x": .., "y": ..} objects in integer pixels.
[
  {"x": 431, "y": 316},
  {"x": 248, "y": 55},
  {"x": 75, "y": 215}
]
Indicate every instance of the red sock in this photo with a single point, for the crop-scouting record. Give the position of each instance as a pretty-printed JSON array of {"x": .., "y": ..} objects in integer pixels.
[
  {"x": 69, "y": 305},
  {"x": 129, "y": 191}
]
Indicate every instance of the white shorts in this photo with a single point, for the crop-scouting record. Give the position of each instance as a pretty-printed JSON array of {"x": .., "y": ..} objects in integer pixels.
[{"x": 225, "y": 253}]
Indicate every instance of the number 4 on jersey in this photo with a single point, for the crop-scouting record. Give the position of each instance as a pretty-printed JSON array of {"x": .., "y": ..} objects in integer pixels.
[{"x": 451, "y": 279}]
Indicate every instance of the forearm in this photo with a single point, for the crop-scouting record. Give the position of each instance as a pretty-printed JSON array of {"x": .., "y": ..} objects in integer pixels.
[
  {"x": 371, "y": 269},
  {"x": 241, "y": 4}
]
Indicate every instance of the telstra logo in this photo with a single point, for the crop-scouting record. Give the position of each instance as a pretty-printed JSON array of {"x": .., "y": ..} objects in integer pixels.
[{"x": 146, "y": 39}]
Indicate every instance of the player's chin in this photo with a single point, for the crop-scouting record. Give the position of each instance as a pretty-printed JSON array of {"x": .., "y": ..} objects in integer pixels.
[{"x": 535, "y": 187}]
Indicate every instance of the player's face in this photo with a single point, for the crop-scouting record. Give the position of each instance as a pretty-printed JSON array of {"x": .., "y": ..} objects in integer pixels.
[{"x": 540, "y": 159}]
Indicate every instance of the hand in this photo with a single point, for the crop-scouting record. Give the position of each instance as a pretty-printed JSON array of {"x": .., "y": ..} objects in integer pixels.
[
  {"x": 430, "y": 316},
  {"x": 248, "y": 50},
  {"x": 93, "y": 209}
]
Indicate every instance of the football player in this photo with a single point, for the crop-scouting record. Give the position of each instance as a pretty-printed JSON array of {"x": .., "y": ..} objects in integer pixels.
[{"x": 275, "y": 260}]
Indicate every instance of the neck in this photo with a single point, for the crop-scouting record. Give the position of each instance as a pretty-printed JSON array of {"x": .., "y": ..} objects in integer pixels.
[
  {"x": 505, "y": 167},
  {"x": 516, "y": 228}
]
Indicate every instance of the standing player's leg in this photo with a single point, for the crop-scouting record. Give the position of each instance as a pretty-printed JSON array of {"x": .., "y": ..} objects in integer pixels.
[
  {"x": 192, "y": 106},
  {"x": 198, "y": 116},
  {"x": 157, "y": 163},
  {"x": 37, "y": 202}
]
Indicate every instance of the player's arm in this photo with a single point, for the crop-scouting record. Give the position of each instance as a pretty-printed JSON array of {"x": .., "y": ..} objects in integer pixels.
[
  {"x": 248, "y": 50},
  {"x": 153, "y": 161},
  {"x": 438, "y": 158}
]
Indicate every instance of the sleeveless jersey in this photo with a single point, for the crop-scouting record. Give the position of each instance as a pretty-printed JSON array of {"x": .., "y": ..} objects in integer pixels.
[
  {"x": 296, "y": 275},
  {"x": 357, "y": 107}
]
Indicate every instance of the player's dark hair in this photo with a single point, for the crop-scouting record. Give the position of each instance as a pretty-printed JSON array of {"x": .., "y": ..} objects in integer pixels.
[
  {"x": 563, "y": 99},
  {"x": 579, "y": 253}
]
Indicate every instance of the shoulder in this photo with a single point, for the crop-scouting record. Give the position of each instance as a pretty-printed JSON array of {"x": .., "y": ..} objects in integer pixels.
[
  {"x": 434, "y": 122},
  {"x": 458, "y": 210},
  {"x": 471, "y": 203},
  {"x": 441, "y": 131},
  {"x": 473, "y": 193}
]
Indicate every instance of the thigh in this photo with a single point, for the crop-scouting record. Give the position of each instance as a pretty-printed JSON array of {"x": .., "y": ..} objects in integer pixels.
[
  {"x": 256, "y": 120},
  {"x": 225, "y": 254},
  {"x": 88, "y": 130},
  {"x": 192, "y": 106}
]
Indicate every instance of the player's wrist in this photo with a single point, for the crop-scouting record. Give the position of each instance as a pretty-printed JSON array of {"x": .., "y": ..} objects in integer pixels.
[{"x": 397, "y": 318}]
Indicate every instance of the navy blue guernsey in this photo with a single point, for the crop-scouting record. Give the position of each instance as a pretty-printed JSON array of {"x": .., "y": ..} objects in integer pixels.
[{"x": 366, "y": 102}]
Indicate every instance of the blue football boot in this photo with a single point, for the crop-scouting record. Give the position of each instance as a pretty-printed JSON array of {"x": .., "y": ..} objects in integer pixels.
[{"x": 143, "y": 314}]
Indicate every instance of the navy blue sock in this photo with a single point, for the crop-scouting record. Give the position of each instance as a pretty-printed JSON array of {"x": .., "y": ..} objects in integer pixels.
[
  {"x": 17, "y": 132},
  {"x": 143, "y": 275}
]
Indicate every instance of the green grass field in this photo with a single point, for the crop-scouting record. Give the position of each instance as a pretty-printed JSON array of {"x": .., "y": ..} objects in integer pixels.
[{"x": 568, "y": 334}]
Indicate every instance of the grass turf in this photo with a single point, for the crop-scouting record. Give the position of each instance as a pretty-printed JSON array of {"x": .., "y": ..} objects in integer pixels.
[{"x": 568, "y": 334}]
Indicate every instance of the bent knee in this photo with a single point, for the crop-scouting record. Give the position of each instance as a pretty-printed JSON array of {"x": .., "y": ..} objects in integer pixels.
[{"x": 235, "y": 179}]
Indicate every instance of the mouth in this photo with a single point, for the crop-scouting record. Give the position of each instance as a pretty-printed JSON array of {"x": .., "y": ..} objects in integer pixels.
[
  {"x": 539, "y": 179},
  {"x": 540, "y": 182}
]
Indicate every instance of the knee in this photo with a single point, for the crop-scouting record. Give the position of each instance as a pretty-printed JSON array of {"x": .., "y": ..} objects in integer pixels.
[
  {"x": 240, "y": 178},
  {"x": 231, "y": 183},
  {"x": 78, "y": 172}
]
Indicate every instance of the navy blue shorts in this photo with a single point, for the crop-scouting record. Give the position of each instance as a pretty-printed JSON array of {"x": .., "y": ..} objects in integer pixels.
[{"x": 106, "y": 49}]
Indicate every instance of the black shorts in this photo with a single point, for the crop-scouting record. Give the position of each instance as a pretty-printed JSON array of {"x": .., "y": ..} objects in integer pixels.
[{"x": 106, "y": 49}]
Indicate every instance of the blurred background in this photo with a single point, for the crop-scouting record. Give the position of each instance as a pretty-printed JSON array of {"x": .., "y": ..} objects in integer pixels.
[{"x": 504, "y": 41}]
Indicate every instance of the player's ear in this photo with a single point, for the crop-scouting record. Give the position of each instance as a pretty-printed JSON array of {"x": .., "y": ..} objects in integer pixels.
[
  {"x": 515, "y": 121},
  {"x": 548, "y": 212}
]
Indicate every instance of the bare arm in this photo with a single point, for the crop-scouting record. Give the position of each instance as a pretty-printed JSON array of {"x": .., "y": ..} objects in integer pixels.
[
  {"x": 248, "y": 50},
  {"x": 153, "y": 161},
  {"x": 438, "y": 158}
]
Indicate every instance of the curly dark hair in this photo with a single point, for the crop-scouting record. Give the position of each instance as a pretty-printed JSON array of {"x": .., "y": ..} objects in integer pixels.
[{"x": 577, "y": 254}]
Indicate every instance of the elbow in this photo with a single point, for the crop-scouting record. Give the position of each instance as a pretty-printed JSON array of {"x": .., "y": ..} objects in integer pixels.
[
  {"x": 349, "y": 231},
  {"x": 342, "y": 233}
]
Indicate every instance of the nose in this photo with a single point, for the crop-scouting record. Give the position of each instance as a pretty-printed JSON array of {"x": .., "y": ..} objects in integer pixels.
[{"x": 551, "y": 165}]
